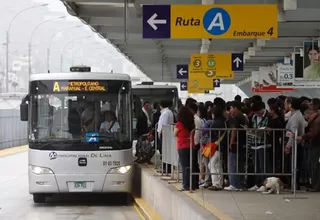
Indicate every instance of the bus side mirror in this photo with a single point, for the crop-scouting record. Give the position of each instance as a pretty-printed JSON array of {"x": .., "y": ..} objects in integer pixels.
[{"x": 24, "y": 112}]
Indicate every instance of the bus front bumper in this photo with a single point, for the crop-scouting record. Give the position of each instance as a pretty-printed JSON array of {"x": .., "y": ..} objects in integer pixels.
[{"x": 78, "y": 183}]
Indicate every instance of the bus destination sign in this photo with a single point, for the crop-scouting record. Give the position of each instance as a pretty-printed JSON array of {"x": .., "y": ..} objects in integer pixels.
[{"x": 79, "y": 86}]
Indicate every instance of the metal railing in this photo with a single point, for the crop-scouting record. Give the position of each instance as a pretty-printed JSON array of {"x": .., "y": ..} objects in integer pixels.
[
  {"x": 155, "y": 145},
  {"x": 13, "y": 132},
  {"x": 266, "y": 145}
]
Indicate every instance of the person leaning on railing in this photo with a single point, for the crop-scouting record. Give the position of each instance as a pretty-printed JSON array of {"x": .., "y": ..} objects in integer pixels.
[
  {"x": 237, "y": 144},
  {"x": 296, "y": 123},
  {"x": 215, "y": 148},
  {"x": 313, "y": 136},
  {"x": 182, "y": 131},
  {"x": 260, "y": 145},
  {"x": 205, "y": 181}
]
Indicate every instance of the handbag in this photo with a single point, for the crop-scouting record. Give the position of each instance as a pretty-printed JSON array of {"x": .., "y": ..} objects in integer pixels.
[{"x": 210, "y": 148}]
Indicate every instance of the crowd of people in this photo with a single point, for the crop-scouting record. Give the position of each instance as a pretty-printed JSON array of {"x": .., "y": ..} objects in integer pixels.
[{"x": 247, "y": 137}]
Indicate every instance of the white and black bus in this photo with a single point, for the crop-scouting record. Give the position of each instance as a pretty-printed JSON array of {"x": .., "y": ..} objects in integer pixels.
[{"x": 80, "y": 133}]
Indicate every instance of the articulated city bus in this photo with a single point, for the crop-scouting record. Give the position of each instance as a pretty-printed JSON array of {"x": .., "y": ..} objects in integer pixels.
[{"x": 80, "y": 133}]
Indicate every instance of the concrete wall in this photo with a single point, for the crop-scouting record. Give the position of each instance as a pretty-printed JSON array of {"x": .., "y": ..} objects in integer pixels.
[
  {"x": 13, "y": 132},
  {"x": 165, "y": 199}
]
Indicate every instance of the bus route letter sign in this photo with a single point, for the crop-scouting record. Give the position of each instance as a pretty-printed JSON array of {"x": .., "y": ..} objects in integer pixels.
[
  {"x": 233, "y": 21},
  {"x": 78, "y": 86}
]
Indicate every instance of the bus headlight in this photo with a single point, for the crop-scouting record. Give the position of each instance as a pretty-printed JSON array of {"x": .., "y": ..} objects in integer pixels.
[
  {"x": 40, "y": 170},
  {"x": 120, "y": 170}
]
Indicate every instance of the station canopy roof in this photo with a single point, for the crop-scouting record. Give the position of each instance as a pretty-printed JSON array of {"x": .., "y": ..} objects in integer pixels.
[{"x": 157, "y": 58}]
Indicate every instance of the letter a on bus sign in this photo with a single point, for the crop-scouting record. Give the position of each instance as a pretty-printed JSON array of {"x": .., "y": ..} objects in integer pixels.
[{"x": 56, "y": 87}]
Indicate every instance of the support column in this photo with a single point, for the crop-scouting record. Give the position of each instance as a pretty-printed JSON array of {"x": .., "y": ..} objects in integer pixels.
[
  {"x": 7, "y": 62},
  {"x": 205, "y": 45},
  {"x": 29, "y": 60}
]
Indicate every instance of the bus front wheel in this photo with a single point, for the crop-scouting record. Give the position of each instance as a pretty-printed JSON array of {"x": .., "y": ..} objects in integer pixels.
[
  {"x": 39, "y": 198},
  {"x": 128, "y": 199}
]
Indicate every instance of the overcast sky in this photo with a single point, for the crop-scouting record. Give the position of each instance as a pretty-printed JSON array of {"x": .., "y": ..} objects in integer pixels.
[{"x": 93, "y": 51}]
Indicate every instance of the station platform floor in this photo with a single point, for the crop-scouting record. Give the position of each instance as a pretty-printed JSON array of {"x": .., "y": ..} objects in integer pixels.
[{"x": 251, "y": 205}]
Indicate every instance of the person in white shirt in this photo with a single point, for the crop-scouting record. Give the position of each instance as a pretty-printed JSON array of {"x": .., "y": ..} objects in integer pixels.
[
  {"x": 166, "y": 118},
  {"x": 296, "y": 123},
  {"x": 110, "y": 125}
]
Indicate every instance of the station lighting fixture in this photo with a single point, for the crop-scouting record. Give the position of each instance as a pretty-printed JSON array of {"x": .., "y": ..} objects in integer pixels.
[
  {"x": 286, "y": 60},
  {"x": 290, "y": 5},
  {"x": 256, "y": 47},
  {"x": 260, "y": 42},
  {"x": 251, "y": 51},
  {"x": 301, "y": 52},
  {"x": 246, "y": 56}
]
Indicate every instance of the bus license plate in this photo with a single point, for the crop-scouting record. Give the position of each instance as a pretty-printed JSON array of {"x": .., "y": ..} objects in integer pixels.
[{"x": 80, "y": 185}]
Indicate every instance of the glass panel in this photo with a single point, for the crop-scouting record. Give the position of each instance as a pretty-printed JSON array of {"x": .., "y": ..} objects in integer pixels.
[
  {"x": 156, "y": 95},
  {"x": 77, "y": 114}
]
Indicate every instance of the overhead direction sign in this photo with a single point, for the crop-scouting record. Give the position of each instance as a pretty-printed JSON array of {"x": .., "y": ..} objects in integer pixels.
[
  {"x": 214, "y": 66},
  {"x": 156, "y": 21},
  {"x": 196, "y": 85},
  {"x": 197, "y": 90},
  {"x": 216, "y": 83},
  {"x": 210, "y": 21},
  {"x": 182, "y": 71},
  {"x": 183, "y": 86},
  {"x": 237, "y": 61}
]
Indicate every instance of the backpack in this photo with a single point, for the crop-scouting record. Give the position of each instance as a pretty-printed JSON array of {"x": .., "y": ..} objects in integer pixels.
[{"x": 144, "y": 148}]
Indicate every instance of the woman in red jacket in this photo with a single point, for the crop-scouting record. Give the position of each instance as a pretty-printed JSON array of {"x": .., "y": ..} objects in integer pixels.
[{"x": 184, "y": 127}]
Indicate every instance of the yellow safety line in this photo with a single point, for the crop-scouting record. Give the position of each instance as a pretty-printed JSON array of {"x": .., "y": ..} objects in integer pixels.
[
  {"x": 211, "y": 208},
  {"x": 146, "y": 209},
  {"x": 208, "y": 206},
  {"x": 139, "y": 212},
  {"x": 13, "y": 150}
]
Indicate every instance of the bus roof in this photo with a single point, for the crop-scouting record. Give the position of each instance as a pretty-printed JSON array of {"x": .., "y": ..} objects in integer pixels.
[
  {"x": 153, "y": 87},
  {"x": 80, "y": 76}
]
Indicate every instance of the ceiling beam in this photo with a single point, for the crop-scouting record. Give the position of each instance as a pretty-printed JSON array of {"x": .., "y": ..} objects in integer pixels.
[
  {"x": 138, "y": 7},
  {"x": 117, "y": 29},
  {"x": 115, "y": 21},
  {"x": 143, "y": 2},
  {"x": 120, "y": 36}
]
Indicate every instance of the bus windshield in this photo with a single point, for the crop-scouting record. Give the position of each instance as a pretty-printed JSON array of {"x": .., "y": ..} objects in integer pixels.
[{"x": 80, "y": 115}]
